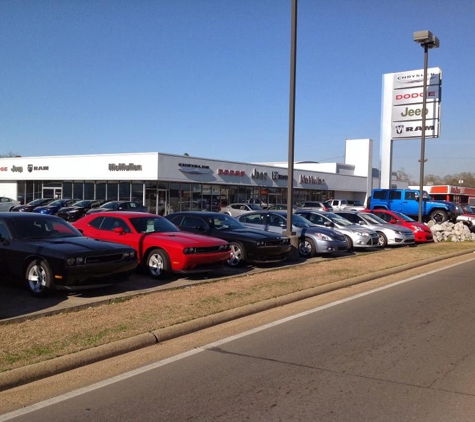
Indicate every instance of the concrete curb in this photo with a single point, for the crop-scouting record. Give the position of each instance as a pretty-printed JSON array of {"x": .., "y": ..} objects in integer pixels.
[{"x": 25, "y": 375}]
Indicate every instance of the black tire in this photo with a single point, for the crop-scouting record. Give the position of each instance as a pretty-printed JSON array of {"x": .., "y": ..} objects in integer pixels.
[
  {"x": 238, "y": 254},
  {"x": 439, "y": 216},
  {"x": 158, "y": 263},
  {"x": 383, "y": 240},
  {"x": 350, "y": 243},
  {"x": 39, "y": 278},
  {"x": 307, "y": 248}
]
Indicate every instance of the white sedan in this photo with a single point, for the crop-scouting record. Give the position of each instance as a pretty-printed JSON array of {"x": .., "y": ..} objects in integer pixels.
[
  {"x": 6, "y": 204},
  {"x": 234, "y": 210}
]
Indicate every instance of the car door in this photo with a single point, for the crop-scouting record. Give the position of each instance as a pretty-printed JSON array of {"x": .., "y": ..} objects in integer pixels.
[
  {"x": 314, "y": 218},
  {"x": 104, "y": 228}
]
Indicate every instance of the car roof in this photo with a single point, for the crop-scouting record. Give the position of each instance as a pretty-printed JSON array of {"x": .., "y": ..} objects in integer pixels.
[
  {"x": 19, "y": 215},
  {"x": 198, "y": 213},
  {"x": 123, "y": 214}
]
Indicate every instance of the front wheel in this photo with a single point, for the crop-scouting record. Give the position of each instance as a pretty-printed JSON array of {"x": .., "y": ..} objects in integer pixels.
[
  {"x": 350, "y": 243},
  {"x": 238, "y": 254},
  {"x": 383, "y": 240},
  {"x": 158, "y": 264},
  {"x": 39, "y": 278},
  {"x": 307, "y": 248},
  {"x": 439, "y": 216}
]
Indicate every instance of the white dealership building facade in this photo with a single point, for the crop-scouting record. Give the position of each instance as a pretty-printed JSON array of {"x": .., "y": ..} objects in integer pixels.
[{"x": 183, "y": 182}]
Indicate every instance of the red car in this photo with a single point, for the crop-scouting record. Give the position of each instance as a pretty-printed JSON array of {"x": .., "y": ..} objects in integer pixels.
[
  {"x": 422, "y": 233},
  {"x": 161, "y": 247}
]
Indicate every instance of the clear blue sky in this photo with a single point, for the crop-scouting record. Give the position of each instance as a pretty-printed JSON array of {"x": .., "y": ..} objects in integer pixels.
[{"x": 211, "y": 77}]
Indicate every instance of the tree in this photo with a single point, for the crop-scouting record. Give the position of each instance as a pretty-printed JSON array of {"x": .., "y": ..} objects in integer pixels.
[
  {"x": 460, "y": 179},
  {"x": 9, "y": 155},
  {"x": 402, "y": 176}
]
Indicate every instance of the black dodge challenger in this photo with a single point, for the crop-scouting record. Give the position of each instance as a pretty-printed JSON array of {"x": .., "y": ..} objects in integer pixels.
[{"x": 48, "y": 253}]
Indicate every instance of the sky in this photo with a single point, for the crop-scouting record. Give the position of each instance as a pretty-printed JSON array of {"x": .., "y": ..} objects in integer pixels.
[{"x": 211, "y": 78}]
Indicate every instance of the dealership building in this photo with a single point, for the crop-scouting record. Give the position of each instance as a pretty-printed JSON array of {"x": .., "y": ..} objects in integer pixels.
[{"x": 167, "y": 182}]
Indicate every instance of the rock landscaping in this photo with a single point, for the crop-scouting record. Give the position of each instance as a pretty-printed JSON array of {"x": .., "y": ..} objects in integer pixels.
[{"x": 448, "y": 231}]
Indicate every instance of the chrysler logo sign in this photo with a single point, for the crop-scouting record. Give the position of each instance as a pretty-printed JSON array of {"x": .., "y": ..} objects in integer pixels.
[{"x": 194, "y": 168}]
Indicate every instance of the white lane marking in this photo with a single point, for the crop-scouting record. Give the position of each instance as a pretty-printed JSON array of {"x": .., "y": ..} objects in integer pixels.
[{"x": 135, "y": 372}]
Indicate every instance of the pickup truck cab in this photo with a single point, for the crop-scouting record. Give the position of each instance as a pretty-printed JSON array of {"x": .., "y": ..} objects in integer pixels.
[{"x": 345, "y": 205}]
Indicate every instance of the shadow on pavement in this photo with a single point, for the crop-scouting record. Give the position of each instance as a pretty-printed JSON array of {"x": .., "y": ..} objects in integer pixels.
[{"x": 17, "y": 303}]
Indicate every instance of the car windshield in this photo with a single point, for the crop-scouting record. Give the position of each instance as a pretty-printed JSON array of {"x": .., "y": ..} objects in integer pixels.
[
  {"x": 153, "y": 225},
  {"x": 301, "y": 222},
  {"x": 254, "y": 207},
  {"x": 338, "y": 219},
  {"x": 81, "y": 204},
  {"x": 37, "y": 202},
  {"x": 57, "y": 203},
  {"x": 111, "y": 205},
  {"x": 225, "y": 222},
  {"x": 404, "y": 217},
  {"x": 373, "y": 219},
  {"x": 42, "y": 228}
]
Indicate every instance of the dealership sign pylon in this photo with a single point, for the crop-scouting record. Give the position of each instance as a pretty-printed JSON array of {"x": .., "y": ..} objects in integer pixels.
[{"x": 402, "y": 111}]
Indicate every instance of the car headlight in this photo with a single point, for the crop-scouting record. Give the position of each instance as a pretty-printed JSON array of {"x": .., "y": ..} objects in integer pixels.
[
  {"x": 323, "y": 237},
  {"x": 75, "y": 261},
  {"x": 128, "y": 255},
  {"x": 188, "y": 251},
  {"x": 417, "y": 228},
  {"x": 364, "y": 234},
  {"x": 259, "y": 244}
]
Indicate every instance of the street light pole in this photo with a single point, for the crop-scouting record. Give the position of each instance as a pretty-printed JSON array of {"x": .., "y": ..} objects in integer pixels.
[
  {"x": 427, "y": 40},
  {"x": 290, "y": 177}
]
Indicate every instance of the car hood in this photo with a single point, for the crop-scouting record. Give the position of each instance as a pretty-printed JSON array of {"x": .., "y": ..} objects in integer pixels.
[
  {"x": 319, "y": 229},
  {"x": 24, "y": 207},
  {"x": 355, "y": 228},
  {"x": 79, "y": 245},
  {"x": 46, "y": 207},
  {"x": 393, "y": 227},
  {"x": 419, "y": 225},
  {"x": 67, "y": 209}
]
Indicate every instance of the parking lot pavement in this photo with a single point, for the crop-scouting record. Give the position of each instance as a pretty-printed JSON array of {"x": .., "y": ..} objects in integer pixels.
[{"x": 17, "y": 304}]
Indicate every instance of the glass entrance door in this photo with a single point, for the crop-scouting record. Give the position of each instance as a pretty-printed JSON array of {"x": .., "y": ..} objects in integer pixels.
[
  {"x": 157, "y": 201},
  {"x": 55, "y": 193}
]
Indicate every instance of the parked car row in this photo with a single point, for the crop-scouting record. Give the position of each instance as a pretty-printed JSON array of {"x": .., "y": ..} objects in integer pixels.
[
  {"x": 106, "y": 242},
  {"x": 69, "y": 209}
]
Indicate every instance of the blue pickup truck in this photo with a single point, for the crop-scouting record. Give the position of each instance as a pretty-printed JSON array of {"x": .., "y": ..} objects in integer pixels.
[{"x": 407, "y": 202}]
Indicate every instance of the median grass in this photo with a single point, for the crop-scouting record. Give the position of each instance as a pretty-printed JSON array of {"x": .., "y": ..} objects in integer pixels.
[{"x": 47, "y": 337}]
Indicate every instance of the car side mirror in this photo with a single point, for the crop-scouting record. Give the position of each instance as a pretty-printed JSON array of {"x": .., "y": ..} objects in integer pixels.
[
  {"x": 200, "y": 229},
  {"x": 392, "y": 221},
  {"x": 119, "y": 230},
  {"x": 328, "y": 224}
]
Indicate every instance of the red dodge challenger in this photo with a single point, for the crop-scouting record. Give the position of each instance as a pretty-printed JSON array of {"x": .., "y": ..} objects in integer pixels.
[{"x": 161, "y": 247}]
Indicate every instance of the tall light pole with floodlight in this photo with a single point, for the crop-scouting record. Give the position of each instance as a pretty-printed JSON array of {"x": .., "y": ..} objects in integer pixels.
[{"x": 427, "y": 41}]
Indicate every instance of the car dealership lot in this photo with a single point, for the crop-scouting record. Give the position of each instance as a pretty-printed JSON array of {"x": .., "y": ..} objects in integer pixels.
[{"x": 18, "y": 304}]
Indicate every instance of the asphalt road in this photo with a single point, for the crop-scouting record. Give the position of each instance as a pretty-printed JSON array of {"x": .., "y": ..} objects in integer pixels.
[{"x": 401, "y": 353}]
